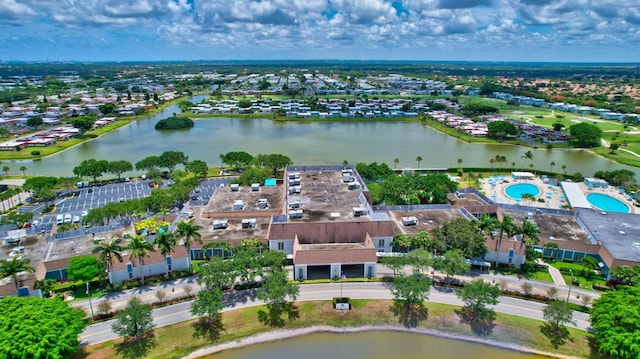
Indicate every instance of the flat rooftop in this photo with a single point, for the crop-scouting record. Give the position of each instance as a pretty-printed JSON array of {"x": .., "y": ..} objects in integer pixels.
[
  {"x": 618, "y": 232},
  {"x": 234, "y": 233},
  {"x": 553, "y": 227},
  {"x": 426, "y": 220},
  {"x": 223, "y": 198},
  {"x": 324, "y": 196}
]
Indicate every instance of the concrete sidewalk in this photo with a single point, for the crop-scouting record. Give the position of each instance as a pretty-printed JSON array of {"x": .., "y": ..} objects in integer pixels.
[
  {"x": 555, "y": 273},
  {"x": 188, "y": 286}
]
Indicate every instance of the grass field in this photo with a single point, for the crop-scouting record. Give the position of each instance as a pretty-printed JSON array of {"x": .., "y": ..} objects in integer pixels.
[
  {"x": 176, "y": 340},
  {"x": 577, "y": 271}
]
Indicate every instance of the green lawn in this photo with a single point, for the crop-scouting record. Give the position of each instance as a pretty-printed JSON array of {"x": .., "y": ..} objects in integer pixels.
[
  {"x": 177, "y": 341},
  {"x": 577, "y": 274}
]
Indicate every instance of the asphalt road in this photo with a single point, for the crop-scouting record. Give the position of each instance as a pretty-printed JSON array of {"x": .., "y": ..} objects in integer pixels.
[{"x": 101, "y": 332}]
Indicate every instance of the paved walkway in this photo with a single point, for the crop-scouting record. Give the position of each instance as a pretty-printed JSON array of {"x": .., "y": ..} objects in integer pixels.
[
  {"x": 185, "y": 287},
  {"x": 555, "y": 273}
]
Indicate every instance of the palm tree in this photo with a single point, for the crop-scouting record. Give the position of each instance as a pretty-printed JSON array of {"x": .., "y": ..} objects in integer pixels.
[
  {"x": 529, "y": 232},
  {"x": 11, "y": 268},
  {"x": 486, "y": 225},
  {"x": 551, "y": 165},
  {"x": 140, "y": 248},
  {"x": 24, "y": 170},
  {"x": 395, "y": 163},
  {"x": 459, "y": 163},
  {"x": 508, "y": 226},
  {"x": 564, "y": 169},
  {"x": 109, "y": 251},
  {"x": 527, "y": 156},
  {"x": 6, "y": 169},
  {"x": 165, "y": 242},
  {"x": 419, "y": 159},
  {"x": 188, "y": 231},
  {"x": 491, "y": 162}
]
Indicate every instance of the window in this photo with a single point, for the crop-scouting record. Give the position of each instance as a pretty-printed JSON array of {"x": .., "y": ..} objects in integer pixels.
[
  {"x": 281, "y": 246},
  {"x": 129, "y": 267},
  {"x": 169, "y": 262},
  {"x": 380, "y": 243},
  {"x": 130, "y": 275}
]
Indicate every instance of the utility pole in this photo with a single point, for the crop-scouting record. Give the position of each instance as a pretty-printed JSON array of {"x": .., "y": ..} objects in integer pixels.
[
  {"x": 570, "y": 284},
  {"x": 89, "y": 294}
]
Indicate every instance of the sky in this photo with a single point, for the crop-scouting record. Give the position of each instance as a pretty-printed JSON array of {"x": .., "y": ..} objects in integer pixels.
[{"x": 430, "y": 30}]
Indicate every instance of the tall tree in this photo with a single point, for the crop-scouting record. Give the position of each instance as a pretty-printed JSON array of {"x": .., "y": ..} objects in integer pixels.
[
  {"x": 529, "y": 232},
  {"x": 119, "y": 167},
  {"x": 208, "y": 306},
  {"x": 197, "y": 167},
  {"x": 526, "y": 156},
  {"x": 83, "y": 268},
  {"x": 188, "y": 232},
  {"x": 135, "y": 324},
  {"x": 274, "y": 162},
  {"x": 170, "y": 159},
  {"x": 614, "y": 316},
  {"x": 459, "y": 163},
  {"x": 108, "y": 251},
  {"x": 140, "y": 249},
  {"x": 487, "y": 225},
  {"x": 419, "y": 159},
  {"x": 13, "y": 267},
  {"x": 395, "y": 163},
  {"x": 557, "y": 313},
  {"x": 452, "y": 263},
  {"x": 165, "y": 242},
  {"x": 275, "y": 291},
  {"x": 585, "y": 134},
  {"x": 508, "y": 226},
  {"x": 23, "y": 169},
  {"x": 39, "y": 328},
  {"x": 476, "y": 296}
]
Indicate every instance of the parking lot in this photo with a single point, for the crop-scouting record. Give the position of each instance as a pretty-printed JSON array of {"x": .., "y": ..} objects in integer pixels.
[{"x": 76, "y": 201}]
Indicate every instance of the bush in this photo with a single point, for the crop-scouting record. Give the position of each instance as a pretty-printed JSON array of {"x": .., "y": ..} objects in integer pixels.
[
  {"x": 567, "y": 260},
  {"x": 601, "y": 288},
  {"x": 35, "y": 153}
]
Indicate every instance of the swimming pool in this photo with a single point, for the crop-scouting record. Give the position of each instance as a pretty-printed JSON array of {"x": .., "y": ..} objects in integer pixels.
[
  {"x": 607, "y": 203},
  {"x": 517, "y": 190}
]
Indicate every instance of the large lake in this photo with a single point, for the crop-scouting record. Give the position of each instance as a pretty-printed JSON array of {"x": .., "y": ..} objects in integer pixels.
[
  {"x": 370, "y": 345},
  {"x": 306, "y": 143}
]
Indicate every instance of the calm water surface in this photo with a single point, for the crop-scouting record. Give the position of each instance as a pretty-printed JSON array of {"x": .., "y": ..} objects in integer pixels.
[
  {"x": 306, "y": 143},
  {"x": 370, "y": 345}
]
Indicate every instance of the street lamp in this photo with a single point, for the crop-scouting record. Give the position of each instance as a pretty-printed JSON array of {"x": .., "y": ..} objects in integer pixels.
[
  {"x": 89, "y": 294},
  {"x": 570, "y": 284}
]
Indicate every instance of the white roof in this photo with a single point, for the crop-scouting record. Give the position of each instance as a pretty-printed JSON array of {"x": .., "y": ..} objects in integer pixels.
[
  {"x": 523, "y": 174},
  {"x": 574, "y": 194}
]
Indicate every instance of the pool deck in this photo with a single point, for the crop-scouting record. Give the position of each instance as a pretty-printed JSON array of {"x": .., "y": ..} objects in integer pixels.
[{"x": 494, "y": 188}]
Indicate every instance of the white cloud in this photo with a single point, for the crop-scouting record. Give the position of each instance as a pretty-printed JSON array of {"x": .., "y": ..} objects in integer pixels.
[{"x": 322, "y": 26}]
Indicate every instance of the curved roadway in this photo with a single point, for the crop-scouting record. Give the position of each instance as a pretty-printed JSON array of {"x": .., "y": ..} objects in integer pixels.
[{"x": 101, "y": 332}]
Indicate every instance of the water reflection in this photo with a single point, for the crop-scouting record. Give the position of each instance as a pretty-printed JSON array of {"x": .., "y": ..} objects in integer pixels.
[
  {"x": 308, "y": 143},
  {"x": 370, "y": 345}
]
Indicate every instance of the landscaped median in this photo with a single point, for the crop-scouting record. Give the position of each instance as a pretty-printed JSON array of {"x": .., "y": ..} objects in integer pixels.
[{"x": 509, "y": 331}]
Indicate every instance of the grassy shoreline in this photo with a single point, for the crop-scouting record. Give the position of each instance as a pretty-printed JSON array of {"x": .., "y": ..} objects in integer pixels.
[
  {"x": 511, "y": 332},
  {"x": 46, "y": 151},
  {"x": 620, "y": 156}
]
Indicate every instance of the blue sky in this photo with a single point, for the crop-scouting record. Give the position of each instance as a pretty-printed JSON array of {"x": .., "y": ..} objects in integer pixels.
[{"x": 468, "y": 30}]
